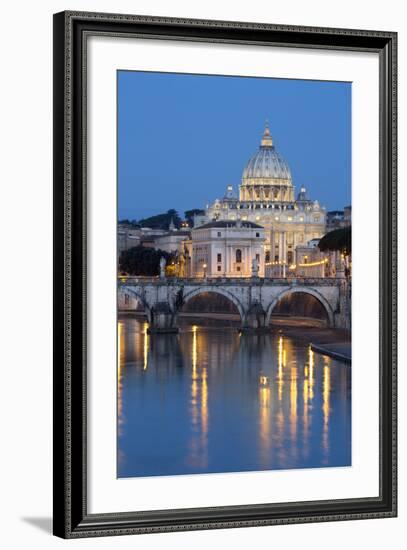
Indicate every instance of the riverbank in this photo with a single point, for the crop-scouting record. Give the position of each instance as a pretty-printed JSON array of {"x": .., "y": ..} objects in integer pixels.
[
  {"x": 341, "y": 350},
  {"x": 333, "y": 342}
]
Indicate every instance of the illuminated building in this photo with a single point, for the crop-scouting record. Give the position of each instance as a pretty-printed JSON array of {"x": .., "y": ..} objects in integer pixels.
[
  {"x": 227, "y": 248},
  {"x": 267, "y": 199}
]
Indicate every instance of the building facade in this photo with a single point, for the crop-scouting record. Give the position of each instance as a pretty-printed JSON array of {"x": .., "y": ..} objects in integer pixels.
[
  {"x": 267, "y": 198},
  {"x": 127, "y": 237},
  {"x": 337, "y": 219},
  {"x": 172, "y": 241},
  {"x": 227, "y": 248}
]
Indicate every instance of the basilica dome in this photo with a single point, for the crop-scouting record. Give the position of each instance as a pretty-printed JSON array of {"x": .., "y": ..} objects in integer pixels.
[{"x": 267, "y": 165}]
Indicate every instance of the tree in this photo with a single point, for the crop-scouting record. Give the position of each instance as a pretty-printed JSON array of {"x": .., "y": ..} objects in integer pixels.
[
  {"x": 162, "y": 221},
  {"x": 132, "y": 223},
  {"x": 140, "y": 260},
  {"x": 338, "y": 239}
]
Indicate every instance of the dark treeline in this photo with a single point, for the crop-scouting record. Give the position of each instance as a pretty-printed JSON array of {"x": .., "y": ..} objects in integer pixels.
[
  {"x": 338, "y": 239},
  {"x": 163, "y": 221},
  {"x": 140, "y": 260}
]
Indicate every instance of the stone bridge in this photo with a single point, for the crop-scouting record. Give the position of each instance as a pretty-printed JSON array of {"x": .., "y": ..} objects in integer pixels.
[{"x": 254, "y": 298}]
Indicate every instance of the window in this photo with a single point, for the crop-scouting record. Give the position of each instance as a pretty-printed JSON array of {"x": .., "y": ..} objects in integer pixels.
[
  {"x": 219, "y": 258},
  {"x": 276, "y": 258},
  {"x": 290, "y": 257},
  {"x": 219, "y": 234},
  {"x": 219, "y": 268},
  {"x": 258, "y": 257},
  {"x": 238, "y": 268},
  {"x": 267, "y": 257},
  {"x": 238, "y": 256},
  {"x": 126, "y": 299},
  {"x": 257, "y": 234}
]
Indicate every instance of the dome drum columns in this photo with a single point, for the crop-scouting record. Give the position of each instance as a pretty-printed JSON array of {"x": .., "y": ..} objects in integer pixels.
[{"x": 266, "y": 193}]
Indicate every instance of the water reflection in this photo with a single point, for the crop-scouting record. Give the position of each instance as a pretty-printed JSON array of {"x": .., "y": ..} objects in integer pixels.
[
  {"x": 198, "y": 444},
  {"x": 326, "y": 410},
  {"x": 145, "y": 346},
  {"x": 211, "y": 400}
]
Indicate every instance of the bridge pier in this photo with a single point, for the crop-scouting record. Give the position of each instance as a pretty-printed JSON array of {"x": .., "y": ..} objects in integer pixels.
[
  {"x": 342, "y": 316},
  {"x": 255, "y": 319},
  {"x": 162, "y": 320}
]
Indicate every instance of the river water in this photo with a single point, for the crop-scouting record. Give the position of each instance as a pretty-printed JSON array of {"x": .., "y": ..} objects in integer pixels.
[{"x": 211, "y": 400}]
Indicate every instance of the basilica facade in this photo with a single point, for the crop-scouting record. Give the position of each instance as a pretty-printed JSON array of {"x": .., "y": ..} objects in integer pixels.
[{"x": 266, "y": 199}]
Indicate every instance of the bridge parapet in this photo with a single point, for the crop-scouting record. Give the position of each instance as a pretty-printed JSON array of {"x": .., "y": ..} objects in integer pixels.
[
  {"x": 217, "y": 281},
  {"x": 255, "y": 299}
]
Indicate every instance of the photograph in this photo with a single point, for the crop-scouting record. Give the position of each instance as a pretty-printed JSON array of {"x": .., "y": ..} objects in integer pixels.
[
  {"x": 210, "y": 348},
  {"x": 234, "y": 274}
]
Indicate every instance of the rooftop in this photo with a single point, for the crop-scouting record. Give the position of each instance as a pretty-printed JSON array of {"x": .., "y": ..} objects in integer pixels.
[{"x": 230, "y": 223}]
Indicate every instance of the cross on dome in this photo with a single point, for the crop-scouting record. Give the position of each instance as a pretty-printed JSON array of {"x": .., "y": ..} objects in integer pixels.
[{"x": 267, "y": 140}]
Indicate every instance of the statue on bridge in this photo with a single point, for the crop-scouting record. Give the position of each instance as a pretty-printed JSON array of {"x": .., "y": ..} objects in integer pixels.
[{"x": 163, "y": 263}]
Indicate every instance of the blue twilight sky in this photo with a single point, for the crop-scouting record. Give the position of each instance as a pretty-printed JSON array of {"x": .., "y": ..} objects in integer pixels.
[{"x": 182, "y": 138}]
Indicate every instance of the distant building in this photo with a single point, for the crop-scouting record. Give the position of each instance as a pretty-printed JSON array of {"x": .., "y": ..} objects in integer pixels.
[
  {"x": 127, "y": 237},
  {"x": 334, "y": 220},
  {"x": 172, "y": 241},
  {"x": 310, "y": 261},
  {"x": 267, "y": 199},
  {"x": 347, "y": 216},
  {"x": 148, "y": 232},
  {"x": 226, "y": 248},
  {"x": 337, "y": 219}
]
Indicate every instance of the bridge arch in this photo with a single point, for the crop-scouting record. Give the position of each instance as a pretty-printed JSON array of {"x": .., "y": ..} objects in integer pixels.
[
  {"x": 214, "y": 290},
  {"x": 298, "y": 290},
  {"x": 139, "y": 295}
]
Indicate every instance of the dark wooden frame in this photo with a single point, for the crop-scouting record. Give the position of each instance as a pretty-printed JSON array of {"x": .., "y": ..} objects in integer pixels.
[{"x": 71, "y": 518}]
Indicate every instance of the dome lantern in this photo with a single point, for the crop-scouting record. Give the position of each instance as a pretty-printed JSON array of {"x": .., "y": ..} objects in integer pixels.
[{"x": 267, "y": 140}]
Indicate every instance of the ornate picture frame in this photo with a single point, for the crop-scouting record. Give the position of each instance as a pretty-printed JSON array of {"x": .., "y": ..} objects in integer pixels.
[{"x": 71, "y": 33}]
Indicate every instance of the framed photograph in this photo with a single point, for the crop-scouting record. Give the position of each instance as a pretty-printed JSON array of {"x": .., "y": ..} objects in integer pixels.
[{"x": 224, "y": 274}]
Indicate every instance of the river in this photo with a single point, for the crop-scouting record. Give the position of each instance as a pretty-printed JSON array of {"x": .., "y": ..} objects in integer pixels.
[{"x": 212, "y": 400}]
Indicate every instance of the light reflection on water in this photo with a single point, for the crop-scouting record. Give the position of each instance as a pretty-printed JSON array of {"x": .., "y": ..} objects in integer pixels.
[{"x": 211, "y": 400}]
